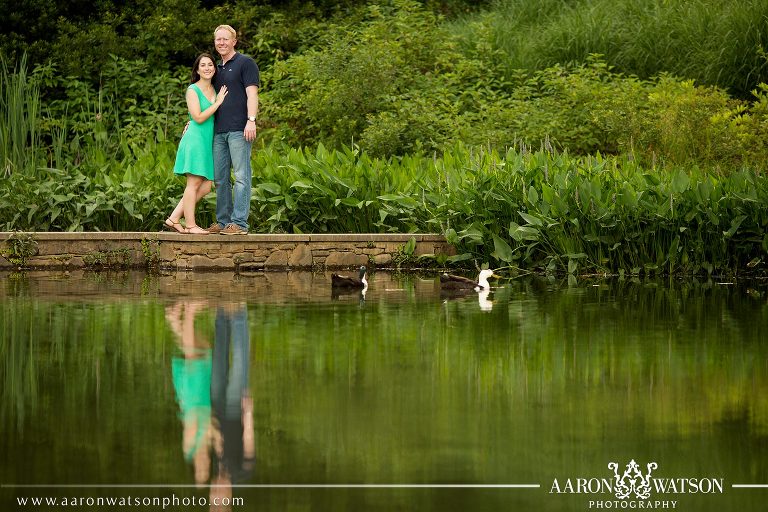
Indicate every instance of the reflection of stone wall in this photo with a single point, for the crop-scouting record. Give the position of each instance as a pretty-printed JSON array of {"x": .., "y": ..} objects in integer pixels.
[
  {"x": 279, "y": 286},
  {"x": 219, "y": 252}
]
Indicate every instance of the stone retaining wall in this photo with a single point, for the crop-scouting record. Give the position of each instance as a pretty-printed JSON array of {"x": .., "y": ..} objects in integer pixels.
[{"x": 216, "y": 252}]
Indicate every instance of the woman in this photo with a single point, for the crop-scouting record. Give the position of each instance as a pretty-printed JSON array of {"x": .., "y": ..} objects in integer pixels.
[
  {"x": 191, "y": 372},
  {"x": 194, "y": 158}
]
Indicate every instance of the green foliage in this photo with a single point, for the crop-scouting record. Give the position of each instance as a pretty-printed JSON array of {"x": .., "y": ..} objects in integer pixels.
[
  {"x": 749, "y": 125},
  {"x": 19, "y": 112},
  {"x": 714, "y": 43},
  {"x": 334, "y": 92},
  {"x": 112, "y": 259},
  {"x": 19, "y": 248},
  {"x": 390, "y": 80},
  {"x": 676, "y": 121},
  {"x": 150, "y": 249},
  {"x": 405, "y": 254},
  {"x": 541, "y": 210},
  {"x": 393, "y": 78}
]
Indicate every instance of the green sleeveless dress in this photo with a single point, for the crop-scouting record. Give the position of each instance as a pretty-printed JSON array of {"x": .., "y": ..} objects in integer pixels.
[
  {"x": 195, "y": 153},
  {"x": 192, "y": 382}
]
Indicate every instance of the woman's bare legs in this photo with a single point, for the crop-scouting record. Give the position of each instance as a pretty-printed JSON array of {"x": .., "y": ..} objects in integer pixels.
[{"x": 203, "y": 188}]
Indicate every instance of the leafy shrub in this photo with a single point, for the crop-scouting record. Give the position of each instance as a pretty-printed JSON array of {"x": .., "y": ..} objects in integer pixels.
[{"x": 332, "y": 93}]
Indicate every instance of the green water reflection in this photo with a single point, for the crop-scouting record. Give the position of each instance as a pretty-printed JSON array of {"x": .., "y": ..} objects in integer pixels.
[{"x": 268, "y": 379}]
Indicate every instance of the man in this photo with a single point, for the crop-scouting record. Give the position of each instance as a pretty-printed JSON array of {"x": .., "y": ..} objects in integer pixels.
[
  {"x": 231, "y": 400},
  {"x": 234, "y": 132}
]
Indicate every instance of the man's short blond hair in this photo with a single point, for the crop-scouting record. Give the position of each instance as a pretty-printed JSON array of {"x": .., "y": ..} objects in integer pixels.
[{"x": 228, "y": 28}]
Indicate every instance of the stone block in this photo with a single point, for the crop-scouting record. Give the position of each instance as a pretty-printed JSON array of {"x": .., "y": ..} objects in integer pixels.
[
  {"x": 222, "y": 263},
  {"x": 278, "y": 259},
  {"x": 167, "y": 252},
  {"x": 41, "y": 261},
  {"x": 232, "y": 248},
  {"x": 391, "y": 247},
  {"x": 382, "y": 259},
  {"x": 423, "y": 248},
  {"x": 204, "y": 262},
  {"x": 242, "y": 257},
  {"x": 345, "y": 259},
  {"x": 301, "y": 256},
  {"x": 50, "y": 248}
]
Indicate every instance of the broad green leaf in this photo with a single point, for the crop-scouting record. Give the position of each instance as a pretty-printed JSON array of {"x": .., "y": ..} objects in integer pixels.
[
  {"x": 652, "y": 179},
  {"x": 673, "y": 248},
  {"x": 301, "y": 184},
  {"x": 704, "y": 190},
  {"x": 460, "y": 257},
  {"x": 533, "y": 196},
  {"x": 410, "y": 246},
  {"x": 350, "y": 201},
  {"x": 272, "y": 188},
  {"x": 735, "y": 223},
  {"x": 501, "y": 249},
  {"x": 680, "y": 181},
  {"x": 472, "y": 233},
  {"x": 628, "y": 197},
  {"x": 525, "y": 233},
  {"x": 531, "y": 219}
]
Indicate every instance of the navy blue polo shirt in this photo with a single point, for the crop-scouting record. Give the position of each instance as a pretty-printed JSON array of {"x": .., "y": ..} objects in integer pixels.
[{"x": 237, "y": 74}]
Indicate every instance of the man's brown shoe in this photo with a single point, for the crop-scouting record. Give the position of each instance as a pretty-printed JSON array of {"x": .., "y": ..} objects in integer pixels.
[
  {"x": 215, "y": 228},
  {"x": 233, "y": 229}
]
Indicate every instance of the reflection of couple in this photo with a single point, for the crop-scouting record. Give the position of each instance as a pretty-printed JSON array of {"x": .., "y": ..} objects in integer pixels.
[
  {"x": 229, "y": 93},
  {"x": 215, "y": 403}
]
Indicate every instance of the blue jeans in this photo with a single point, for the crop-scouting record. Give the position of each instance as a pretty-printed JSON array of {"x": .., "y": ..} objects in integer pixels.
[
  {"x": 232, "y": 206},
  {"x": 231, "y": 363}
]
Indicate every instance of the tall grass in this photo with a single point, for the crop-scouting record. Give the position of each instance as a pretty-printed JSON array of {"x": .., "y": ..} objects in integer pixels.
[
  {"x": 19, "y": 112},
  {"x": 715, "y": 43},
  {"x": 93, "y": 158}
]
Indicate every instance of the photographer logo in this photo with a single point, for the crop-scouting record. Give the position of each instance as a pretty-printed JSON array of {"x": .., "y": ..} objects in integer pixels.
[{"x": 633, "y": 487}]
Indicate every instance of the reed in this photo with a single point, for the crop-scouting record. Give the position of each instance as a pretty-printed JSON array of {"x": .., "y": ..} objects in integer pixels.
[
  {"x": 715, "y": 43},
  {"x": 19, "y": 112}
]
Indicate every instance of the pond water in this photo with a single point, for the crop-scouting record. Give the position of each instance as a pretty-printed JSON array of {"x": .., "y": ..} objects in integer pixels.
[{"x": 267, "y": 388}]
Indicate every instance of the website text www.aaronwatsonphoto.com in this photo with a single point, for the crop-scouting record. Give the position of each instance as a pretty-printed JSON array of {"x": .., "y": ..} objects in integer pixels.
[{"x": 129, "y": 501}]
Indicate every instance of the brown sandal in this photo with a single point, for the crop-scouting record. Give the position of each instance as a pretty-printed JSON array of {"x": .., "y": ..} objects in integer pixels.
[
  {"x": 200, "y": 231},
  {"x": 174, "y": 226}
]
